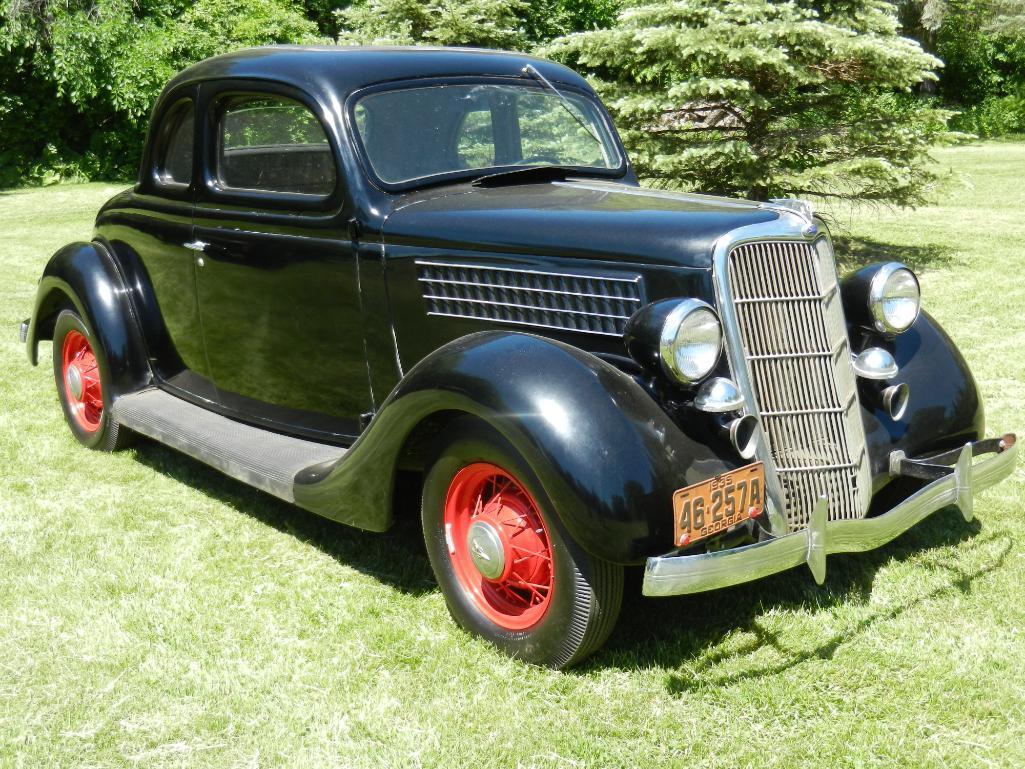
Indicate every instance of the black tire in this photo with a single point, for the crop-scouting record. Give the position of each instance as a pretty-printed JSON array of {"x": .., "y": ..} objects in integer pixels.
[
  {"x": 102, "y": 433},
  {"x": 586, "y": 593}
]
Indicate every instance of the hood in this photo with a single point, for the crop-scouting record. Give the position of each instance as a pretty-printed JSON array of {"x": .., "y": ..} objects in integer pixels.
[{"x": 587, "y": 219}]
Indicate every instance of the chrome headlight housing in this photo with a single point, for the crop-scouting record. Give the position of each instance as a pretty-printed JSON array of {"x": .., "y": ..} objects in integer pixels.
[
  {"x": 690, "y": 342},
  {"x": 894, "y": 298}
]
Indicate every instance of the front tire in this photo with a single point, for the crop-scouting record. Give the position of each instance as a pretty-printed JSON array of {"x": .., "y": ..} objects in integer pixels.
[
  {"x": 509, "y": 571},
  {"x": 82, "y": 378}
]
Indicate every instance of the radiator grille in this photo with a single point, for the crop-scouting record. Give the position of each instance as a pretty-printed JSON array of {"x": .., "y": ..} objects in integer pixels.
[
  {"x": 561, "y": 301},
  {"x": 792, "y": 326}
]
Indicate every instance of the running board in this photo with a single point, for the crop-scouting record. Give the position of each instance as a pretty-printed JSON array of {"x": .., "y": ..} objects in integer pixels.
[{"x": 260, "y": 458}]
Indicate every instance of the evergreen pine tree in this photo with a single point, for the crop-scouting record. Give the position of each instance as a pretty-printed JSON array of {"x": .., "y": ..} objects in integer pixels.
[
  {"x": 764, "y": 98},
  {"x": 477, "y": 23}
]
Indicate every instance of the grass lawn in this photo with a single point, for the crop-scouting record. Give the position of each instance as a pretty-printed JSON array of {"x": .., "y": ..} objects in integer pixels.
[{"x": 154, "y": 613}]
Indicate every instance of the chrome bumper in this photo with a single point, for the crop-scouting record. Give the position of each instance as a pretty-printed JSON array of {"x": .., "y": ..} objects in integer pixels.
[{"x": 682, "y": 574}]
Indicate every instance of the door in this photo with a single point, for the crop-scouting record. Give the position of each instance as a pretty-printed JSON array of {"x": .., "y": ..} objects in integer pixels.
[
  {"x": 150, "y": 230},
  {"x": 277, "y": 283}
]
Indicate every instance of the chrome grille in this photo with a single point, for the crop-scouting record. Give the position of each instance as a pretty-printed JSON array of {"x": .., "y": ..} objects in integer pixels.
[
  {"x": 560, "y": 301},
  {"x": 791, "y": 323}
]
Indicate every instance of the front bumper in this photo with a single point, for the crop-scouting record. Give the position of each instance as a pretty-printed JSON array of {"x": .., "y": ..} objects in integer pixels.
[{"x": 953, "y": 485}]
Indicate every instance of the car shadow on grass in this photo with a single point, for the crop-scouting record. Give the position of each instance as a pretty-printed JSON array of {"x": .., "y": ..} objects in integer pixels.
[
  {"x": 722, "y": 638},
  {"x": 396, "y": 558},
  {"x": 853, "y": 253},
  {"x": 683, "y": 635}
]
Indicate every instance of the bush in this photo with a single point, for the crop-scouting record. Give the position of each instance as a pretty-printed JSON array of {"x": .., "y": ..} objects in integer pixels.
[{"x": 995, "y": 116}]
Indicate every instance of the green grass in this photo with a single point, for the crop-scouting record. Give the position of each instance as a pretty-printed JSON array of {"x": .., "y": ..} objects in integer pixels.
[{"x": 154, "y": 613}]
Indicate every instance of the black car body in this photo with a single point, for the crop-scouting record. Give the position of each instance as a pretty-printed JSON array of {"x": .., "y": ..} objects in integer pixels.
[{"x": 378, "y": 291}]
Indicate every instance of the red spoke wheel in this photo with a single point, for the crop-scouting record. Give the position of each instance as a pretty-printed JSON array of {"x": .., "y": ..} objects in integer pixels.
[
  {"x": 81, "y": 378},
  {"x": 509, "y": 571},
  {"x": 80, "y": 370},
  {"x": 499, "y": 546}
]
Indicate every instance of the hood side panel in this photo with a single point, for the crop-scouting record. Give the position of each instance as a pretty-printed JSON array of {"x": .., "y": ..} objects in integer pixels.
[
  {"x": 418, "y": 331},
  {"x": 577, "y": 220}
]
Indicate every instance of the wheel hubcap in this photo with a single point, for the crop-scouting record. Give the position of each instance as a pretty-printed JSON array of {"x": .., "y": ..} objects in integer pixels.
[
  {"x": 74, "y": 382},
  {"x": 499, "y": 546},
  {"x": 487, "y": 551}
]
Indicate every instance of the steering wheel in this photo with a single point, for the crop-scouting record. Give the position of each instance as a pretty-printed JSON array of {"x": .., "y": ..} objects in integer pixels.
[{"x": 532, "y": 159}]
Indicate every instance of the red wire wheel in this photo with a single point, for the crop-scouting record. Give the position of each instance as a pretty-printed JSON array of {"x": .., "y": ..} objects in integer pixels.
[
  {"x": 80, "y": 374},
  {"x": 499, "y": 546}
]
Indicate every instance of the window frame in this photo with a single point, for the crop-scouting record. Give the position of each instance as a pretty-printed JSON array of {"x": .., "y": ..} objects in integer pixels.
[
  {"x": 359, "y": 149},
  {"x": 165, "y": 126},
  {"x": 213, "y": 98}
]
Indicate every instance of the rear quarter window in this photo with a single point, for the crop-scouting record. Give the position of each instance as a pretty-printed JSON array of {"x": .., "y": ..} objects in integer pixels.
[
  {"x": 273, "y": 144},
  {"x": 175, "y": 148}
]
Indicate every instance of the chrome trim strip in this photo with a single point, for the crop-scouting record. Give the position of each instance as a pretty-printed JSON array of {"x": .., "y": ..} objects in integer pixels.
[
  {"x": 679, "y": 575},
  {"x": 815, "y": 468},
  {"x": 618, "y": 188},
  {"x": 495, "y": 268},
  {"x": 557, "y": 310},
  {"x": 769, "y": 299},
  {"x": 798, "y": 412},
  {"x": 525, "y": 323}
]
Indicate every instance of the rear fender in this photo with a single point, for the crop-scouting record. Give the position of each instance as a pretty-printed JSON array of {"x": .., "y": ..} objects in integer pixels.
[
  {"x": 607, "y": 455},
  {"x": 84, "y": 277}
]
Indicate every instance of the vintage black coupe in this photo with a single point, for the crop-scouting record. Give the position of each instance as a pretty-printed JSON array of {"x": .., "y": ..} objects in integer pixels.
[{"x": 341, "y": 268}]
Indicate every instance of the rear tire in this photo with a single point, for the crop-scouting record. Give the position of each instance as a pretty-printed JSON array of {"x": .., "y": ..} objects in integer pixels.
[
  {"x": 83, "y": 376},
  {"x": 509, "y": 571}
]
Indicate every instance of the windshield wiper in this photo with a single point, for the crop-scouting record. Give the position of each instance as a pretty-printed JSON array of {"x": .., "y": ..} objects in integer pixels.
[
  {"x": 525, "y": 175},
  {"x": 533, "y": 72}
]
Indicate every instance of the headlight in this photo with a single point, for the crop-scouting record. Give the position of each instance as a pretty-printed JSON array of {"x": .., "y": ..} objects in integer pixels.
[
  {"x": 894, "y": 298},
  {"x": 690, "y": 341}
]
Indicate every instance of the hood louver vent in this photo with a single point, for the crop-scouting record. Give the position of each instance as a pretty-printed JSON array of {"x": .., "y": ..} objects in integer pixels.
[{"x": 584, "y": 304}]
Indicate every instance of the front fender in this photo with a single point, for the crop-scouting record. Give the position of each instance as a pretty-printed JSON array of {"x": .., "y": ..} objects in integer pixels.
[
  {"x": 944, "y": 407},
  {"x": 606, "y": 454},
  {"x": 83, "y": 276}
]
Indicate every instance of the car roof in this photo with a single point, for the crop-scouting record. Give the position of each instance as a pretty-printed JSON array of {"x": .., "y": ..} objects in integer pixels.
[{"x": 333, "y": 72}]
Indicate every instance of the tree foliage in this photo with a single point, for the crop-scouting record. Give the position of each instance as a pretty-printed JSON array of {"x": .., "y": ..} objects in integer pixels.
[
  {"x": 78, "y": 78},
  {"x": 506, "y": 24},
  {"x": 765, "y": 98},
  {"x": 758, "y": 97},
  {"x": 479, "y": 23}
]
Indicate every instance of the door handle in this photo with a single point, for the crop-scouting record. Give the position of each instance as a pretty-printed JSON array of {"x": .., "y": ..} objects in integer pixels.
[{"x": 196, "y": 245}]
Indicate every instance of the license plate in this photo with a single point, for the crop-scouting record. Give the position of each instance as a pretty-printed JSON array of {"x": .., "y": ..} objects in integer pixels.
[{"x": 718, "y": 504}]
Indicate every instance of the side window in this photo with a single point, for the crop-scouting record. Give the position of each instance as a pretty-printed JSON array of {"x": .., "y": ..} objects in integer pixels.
[
  {"x": 272, "y": 144},
  {"x": 174, "y": 165},
  {"x": 475, "y": 143}
]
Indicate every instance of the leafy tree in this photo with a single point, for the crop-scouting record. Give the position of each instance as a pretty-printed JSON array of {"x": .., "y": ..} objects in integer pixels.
[
  {"x": 968, "y": 52},
  {"x": 78, "y": 78},
  {"x": 766, "y": 98}
]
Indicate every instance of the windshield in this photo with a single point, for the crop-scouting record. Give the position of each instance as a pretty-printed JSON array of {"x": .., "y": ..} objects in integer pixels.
[{"x": 416, "y": 133}]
